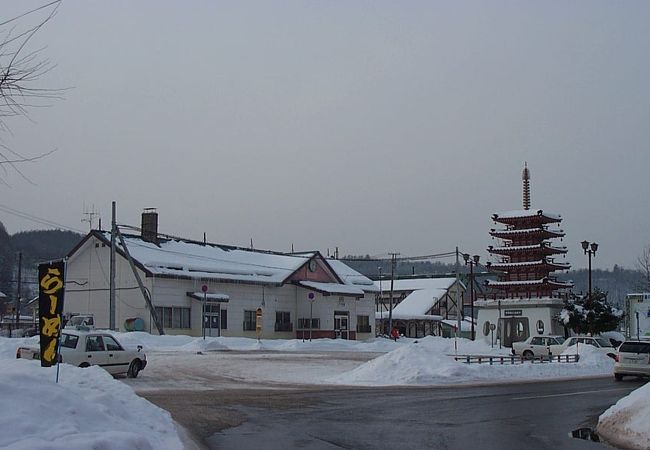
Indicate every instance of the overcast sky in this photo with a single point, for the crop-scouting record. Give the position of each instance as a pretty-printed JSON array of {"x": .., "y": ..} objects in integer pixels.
[{"x": 371, "y": 126}]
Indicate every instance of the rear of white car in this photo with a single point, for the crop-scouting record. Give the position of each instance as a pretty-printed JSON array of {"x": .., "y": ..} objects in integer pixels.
[{"x": 633, "y": 359}]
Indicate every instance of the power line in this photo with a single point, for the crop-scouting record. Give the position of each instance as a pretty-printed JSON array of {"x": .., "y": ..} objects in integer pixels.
[{"x": 37, "y": 219}]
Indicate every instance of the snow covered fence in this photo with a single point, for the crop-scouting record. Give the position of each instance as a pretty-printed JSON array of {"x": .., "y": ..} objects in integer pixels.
[{"x": 512, "y": 359}]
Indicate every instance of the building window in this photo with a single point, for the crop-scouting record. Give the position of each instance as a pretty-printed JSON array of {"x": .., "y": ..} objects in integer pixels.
[
  {"x": 224, "y": 319},
  {"x": 486, "y": 328},
  {"x": 174, "y": 316},
  {"x": 540, "y": 327},
  {"x": 249, "y": 320},
  {"x": 304, "y": 324},
  {"x": 283, "y": 321},
  {"x": 363, "y": 324}
]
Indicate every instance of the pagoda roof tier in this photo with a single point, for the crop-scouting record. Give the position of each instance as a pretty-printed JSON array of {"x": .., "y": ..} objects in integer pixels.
[
  {"x": 543, "y": 248},
  {"x": 542, "y": 233},
  {"x": 542, "y": 263},
  {"x": 524, "y": 215},
  {"x": 552, "y": 284}
]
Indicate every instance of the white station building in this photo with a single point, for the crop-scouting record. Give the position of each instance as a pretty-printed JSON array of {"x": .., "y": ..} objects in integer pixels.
[{"x": 198, "y": 287}]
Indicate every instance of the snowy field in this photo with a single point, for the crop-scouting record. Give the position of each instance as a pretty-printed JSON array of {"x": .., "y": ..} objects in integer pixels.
[{"x": 90, "y": 409}]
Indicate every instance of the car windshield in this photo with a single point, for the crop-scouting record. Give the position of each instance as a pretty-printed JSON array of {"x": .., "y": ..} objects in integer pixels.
[
  {"x": 603, "y": 342},
  {"x": 69, "y": 340},
  {"x": 560, "y": 339}
]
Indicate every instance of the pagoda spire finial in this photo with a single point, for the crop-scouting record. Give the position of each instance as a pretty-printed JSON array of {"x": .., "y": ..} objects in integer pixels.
[{"x": 525, "y": 176}]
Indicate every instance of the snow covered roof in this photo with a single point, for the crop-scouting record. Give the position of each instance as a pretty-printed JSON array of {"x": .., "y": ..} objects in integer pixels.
[
  {"x": 513, "y": 232},
  {"x": 541, "y": 281},
  {"x": 175, "y": 257},
  {"x": 209, "y": 296},
  {"x": 465, "y": 325},
  {"x": 332, "y": 288},
  {"x": 351, "y": 276},
  {"x": 540, "y": 262},
  {"x": 413, "y": 284},
  {"x": 419, "y": 302},
  {"x": 517, "y": 248},
  {"x": 522, "y": 213}
]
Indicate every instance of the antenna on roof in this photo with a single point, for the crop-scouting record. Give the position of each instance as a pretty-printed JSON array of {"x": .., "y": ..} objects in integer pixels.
[
  {"x": 525, "y": 176},
  {"x": 292, "y": 247},
  {"x": 204, "y": 239},
  {"x": 90, "y": 215},
  {"x": 251, "y": 243}
]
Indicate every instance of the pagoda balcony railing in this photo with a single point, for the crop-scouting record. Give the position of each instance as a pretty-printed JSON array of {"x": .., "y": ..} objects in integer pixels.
[{"x": 523, "y": 295}]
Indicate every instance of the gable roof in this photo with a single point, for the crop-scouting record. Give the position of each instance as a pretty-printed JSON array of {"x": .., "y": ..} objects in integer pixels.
[
  {"x": 179, "y": 258},
  {"x": 415, "y": 284}
]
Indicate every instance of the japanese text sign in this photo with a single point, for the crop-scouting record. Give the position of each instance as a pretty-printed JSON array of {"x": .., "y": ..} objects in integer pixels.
[{"x": 50, "y": 309}]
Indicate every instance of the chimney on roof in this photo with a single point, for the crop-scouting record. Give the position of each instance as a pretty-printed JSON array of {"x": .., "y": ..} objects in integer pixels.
[{"x": 149, "y": 228}]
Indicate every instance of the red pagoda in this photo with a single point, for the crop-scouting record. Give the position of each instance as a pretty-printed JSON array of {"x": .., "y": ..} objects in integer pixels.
[{"x": 527, "y": 255}]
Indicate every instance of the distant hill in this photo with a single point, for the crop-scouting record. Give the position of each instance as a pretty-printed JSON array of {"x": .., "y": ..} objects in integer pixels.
[
  {"x": 617, "y": 282},
  {"x": 36, "y": 247}
]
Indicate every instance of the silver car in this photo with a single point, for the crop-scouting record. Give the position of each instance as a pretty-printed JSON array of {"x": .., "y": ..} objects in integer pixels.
[{"x": 633, "y": 359}]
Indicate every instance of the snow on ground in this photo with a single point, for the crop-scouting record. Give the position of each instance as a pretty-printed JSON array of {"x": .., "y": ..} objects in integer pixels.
[
  {"x": 111, "y": 406},
  {"x": 626, "y": 424},
  {"x": 427, "y": 362},
  {"x": 86, "y": 409}
]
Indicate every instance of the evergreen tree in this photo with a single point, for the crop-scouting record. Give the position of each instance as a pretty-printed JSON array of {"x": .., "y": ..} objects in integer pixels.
[{"x": 590, "y": 315}]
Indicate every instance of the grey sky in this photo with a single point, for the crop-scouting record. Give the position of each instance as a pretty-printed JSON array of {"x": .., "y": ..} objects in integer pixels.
[{"x": 371, "y": 126}]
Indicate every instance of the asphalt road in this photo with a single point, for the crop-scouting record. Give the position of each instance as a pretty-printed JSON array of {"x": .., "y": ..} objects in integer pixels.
[{"x": 535, "y": 415}]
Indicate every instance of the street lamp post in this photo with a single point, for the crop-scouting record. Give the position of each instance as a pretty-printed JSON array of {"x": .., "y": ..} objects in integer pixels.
[
  {"x": 472, "y": 262},
  {"x": 589, "y": 249}
]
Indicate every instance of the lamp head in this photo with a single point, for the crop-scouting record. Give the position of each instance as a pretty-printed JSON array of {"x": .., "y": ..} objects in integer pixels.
[
  {"x": 476, "y": 258},
  {"x": 594, "y": 247},
  {"x": 585, "y": 245},
  {"x": 466, "y": 257}
]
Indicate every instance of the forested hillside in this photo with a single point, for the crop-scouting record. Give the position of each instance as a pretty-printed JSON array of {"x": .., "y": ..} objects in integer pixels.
[
  {"x": 617, "y": 282},
  {"x": 35, "y": 246}
]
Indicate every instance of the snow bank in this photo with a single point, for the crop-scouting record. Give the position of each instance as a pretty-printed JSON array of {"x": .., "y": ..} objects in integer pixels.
[
  {"x": 626, "y": 423},
  {"x": 426, "y": 362},
  {"x": 88, "y": 408}
]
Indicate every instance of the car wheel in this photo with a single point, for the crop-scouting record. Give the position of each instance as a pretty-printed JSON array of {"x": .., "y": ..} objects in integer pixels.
[
  {"x": 618, "y": 377},
  {"x": 84, "y": 365},
  {"x": 528, "y": 355},
  {"x": 134, "y": 369}
]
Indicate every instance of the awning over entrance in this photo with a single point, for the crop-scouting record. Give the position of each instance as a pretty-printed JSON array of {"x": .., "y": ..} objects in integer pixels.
[
  {"x": 332, "y": 288},
  {"x": 210, "y": 297}
]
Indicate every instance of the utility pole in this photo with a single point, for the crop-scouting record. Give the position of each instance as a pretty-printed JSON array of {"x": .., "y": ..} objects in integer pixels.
[
  {"x": 459, "y": 309},
  {"x": 111, "y": 294},
  {"x": 19, "y": 288},
  {"x": 393, "y": 262}
]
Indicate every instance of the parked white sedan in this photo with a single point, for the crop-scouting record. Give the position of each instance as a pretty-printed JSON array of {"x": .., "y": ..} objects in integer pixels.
[
  {"x": 87, "y": 348},
  {"x": 603, "y": 345},
  {"x": 536, "y": 346}
]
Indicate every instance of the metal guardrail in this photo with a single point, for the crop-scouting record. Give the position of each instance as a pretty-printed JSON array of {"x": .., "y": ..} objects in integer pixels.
[{"x": 512, "y": 359}]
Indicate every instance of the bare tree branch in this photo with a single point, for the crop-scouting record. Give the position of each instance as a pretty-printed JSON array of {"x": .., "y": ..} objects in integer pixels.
[
  {"x": 643, "y": 264},
  {"x": 20, "y": 72}
]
